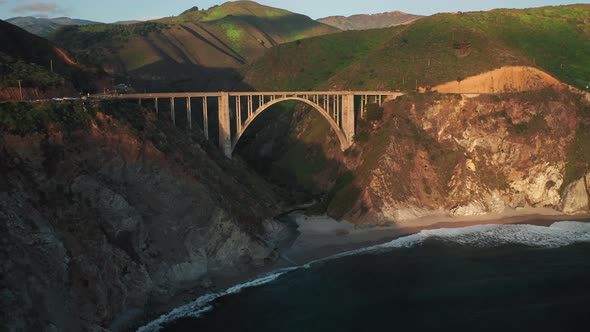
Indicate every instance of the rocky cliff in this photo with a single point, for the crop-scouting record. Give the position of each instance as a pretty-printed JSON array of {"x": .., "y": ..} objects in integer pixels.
[
  {"x": 467, "y": 155},
  {"x": 431, "y": 154},
  {"x": 107, "y": 218}
]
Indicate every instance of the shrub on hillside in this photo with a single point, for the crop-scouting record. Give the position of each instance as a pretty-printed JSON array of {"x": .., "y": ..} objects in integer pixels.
[
  {"x": 374, "y": 112},
  {"x": 25, "y": 118}
]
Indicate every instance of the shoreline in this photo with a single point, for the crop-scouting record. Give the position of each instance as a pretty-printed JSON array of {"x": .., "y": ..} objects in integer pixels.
[
  {"x": 322, "y": 237},
  {"x": 330, "y": 237}
]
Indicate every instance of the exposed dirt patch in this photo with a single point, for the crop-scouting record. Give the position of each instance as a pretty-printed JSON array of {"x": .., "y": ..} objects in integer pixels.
[
  {"x": 64, "y": 56},
  {"x": 505, "y": 79}
]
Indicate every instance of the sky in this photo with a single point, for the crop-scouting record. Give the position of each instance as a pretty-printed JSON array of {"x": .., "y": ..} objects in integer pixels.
[{"x": 109, "y": 11}]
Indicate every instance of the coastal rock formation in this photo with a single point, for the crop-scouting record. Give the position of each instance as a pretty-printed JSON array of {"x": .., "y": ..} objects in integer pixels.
[
  {"x": 576, "y": 197},
  {"x": 99, "y": 225},
  {"x": 469, "y": 156}
]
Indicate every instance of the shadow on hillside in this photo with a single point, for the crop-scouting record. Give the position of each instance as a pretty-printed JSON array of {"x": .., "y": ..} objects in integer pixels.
[
  {"x": 227, "y": 51},
  {"x": 288, "y": 25},
  {"x": 171, "y": 76}
]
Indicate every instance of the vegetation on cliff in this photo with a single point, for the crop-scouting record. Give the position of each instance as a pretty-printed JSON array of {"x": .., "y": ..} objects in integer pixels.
[{"x": 108, "y": 211}]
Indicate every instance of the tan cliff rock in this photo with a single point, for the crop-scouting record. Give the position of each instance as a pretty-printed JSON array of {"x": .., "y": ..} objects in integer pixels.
[
  {"x": 471, "y": 156},
  {"x": 576, "y": 198},
  {"x": 502, "y": 80}
]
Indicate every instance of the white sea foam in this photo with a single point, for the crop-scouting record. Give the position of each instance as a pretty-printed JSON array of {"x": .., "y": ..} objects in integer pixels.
[
  {"x": 557, "y": 235},
  {"x": 202, "y": 304}
]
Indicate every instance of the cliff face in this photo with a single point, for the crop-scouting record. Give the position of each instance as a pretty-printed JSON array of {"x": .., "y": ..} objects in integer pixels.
[
  {"x": 99, "y": 223},
  {"x": 471, "y": 156}
]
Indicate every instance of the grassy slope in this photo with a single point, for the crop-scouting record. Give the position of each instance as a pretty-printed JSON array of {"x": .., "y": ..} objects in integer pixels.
[
  {"x": 26, "y": 57},
  {"x": 443, "y": 48},
  {"x": 223, "y": 37},
  {"x": 433, "y": 50}
]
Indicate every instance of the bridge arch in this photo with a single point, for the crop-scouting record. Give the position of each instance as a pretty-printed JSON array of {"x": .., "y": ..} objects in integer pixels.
[{"x": 344, "y": 143}]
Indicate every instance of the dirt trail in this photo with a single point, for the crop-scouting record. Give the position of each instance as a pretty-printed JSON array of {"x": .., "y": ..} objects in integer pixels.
[
  {"x": 64, "y": 56},
  {"x": 505, "y": 79}
]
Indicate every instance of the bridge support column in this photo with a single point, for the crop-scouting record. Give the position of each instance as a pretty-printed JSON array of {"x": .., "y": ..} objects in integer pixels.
[
  {"x": 172, "y": 112},
  {"x": 348, "y": 119},
  {"x": 189, "y": 113},
  {"x": 205, "y": 119},
  {"x": 224, "y": 125}
]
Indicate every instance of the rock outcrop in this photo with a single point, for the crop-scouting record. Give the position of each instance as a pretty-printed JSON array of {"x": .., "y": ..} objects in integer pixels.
[
  {"x": 469, "y": 156},
  {"x": 98, "y": 226},
  {"x": 576, "y": 197}
]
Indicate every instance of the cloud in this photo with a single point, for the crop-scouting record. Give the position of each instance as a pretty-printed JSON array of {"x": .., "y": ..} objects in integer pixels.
[
  {"x": 36, "y": 7},
  {"x": 3, "y": 2}
]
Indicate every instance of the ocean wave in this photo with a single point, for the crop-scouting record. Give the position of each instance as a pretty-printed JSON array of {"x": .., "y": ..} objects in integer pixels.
[
  {"x": 557, "y": 235},
  {"x": 202, "y": 304}
]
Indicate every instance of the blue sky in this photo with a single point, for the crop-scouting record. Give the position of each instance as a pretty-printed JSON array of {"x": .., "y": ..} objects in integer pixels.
[{"x": 118, "y": 10}]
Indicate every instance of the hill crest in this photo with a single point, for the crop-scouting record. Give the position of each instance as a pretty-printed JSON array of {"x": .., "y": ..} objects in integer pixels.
[
  {"x": 44, "y": 26},
  {"x": 369, "y": 21}
]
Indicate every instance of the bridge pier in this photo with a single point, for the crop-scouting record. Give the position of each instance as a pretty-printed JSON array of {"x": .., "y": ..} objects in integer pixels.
[
  {"x": 172, "y": 112},
  {"x": 337, "y": 107},
  {"x": 224, "y": 125},
  {"x": 348, "y": 119},
  {"x": 205, "y": 119},
  {"x": 189, "y": 113}
]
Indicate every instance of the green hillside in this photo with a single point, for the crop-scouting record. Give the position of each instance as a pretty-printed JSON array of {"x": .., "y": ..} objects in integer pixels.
[
  {"x": 442, "y": 48},
  {"x": 431, "y": 51},
  {"x": 198, "y": 50},
  {"x": 28, "y": 58}
]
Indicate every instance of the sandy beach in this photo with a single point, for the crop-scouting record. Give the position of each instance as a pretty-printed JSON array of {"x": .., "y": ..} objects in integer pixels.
[{"x": 322, "y": 236}]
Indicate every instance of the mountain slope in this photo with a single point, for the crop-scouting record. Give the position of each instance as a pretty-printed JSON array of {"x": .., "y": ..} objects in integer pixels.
[
  {"x": 29, "y": 58},
  {"x": 197, "y": 50},
  {"x": 365, "y": 22},
  {"x": 44, "y": 26},
  {"x": 447, "y": 47},
  {"x": 413, "y": 158}
]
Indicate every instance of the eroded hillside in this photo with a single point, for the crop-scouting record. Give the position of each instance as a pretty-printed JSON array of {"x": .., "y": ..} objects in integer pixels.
[{"x": 107, "y": 211}]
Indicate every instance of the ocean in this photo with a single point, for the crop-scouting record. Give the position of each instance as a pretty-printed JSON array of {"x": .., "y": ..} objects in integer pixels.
[{"x": 477, "y": 278}]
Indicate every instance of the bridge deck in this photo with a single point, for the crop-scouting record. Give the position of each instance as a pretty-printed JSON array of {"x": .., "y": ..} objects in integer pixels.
[{"x": 238, "y": 94}]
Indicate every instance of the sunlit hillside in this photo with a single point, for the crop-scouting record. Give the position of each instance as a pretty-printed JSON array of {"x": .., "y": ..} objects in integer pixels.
[{"x": 197, "y": 50}]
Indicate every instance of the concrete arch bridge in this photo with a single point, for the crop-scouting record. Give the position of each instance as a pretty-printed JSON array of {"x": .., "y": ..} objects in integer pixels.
[{"x": 237, "y": 110}]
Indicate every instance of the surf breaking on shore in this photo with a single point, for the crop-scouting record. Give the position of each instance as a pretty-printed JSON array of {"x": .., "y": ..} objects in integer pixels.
[{"x": 559, "y": 234}]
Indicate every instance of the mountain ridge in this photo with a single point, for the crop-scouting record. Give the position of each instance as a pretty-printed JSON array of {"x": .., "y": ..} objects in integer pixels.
[
  {"x": 197, "y": 50},
  {"x": 370, "y": 21},
  {"x": 44, "y": 26}
]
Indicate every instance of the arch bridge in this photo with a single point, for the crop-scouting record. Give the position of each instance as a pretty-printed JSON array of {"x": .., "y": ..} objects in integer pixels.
[{"x": 237, "y": 110}]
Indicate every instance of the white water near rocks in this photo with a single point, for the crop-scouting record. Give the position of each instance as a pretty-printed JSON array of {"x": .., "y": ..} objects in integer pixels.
[{"x": 557, "y": 235}]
